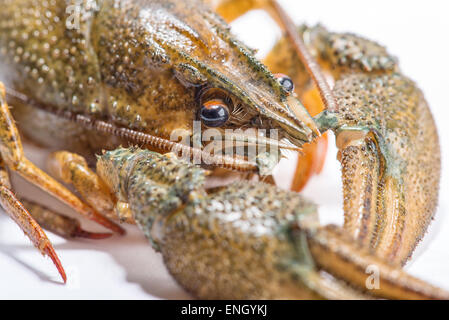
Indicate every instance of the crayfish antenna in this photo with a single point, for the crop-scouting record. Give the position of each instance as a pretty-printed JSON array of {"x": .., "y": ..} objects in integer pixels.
[{"x": 306, "y": 58}]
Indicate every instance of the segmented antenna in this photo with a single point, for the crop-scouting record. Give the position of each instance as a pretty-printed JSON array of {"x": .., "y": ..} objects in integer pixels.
[
  {"x": 307, "y": 59},
  {"x": 227, "y": 162}
]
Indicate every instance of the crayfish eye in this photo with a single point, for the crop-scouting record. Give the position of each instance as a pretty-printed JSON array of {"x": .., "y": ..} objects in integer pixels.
[
  {"x": 285, "y": 81},
  {"x": 214, "y": 113}
]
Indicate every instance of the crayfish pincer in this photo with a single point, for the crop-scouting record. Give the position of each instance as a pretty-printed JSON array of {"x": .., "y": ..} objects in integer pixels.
[{"x": 245, "y": 240}]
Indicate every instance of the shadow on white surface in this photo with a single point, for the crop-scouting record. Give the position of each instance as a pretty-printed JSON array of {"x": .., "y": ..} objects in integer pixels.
[{"x": 88, "y": 264}]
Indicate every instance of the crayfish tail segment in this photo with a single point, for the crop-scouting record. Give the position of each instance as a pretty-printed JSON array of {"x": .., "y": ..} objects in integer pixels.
[{"x": 339, "y": 255}]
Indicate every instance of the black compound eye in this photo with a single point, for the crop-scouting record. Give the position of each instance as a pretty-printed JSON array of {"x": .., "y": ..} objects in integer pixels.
[
  {"x": 286, "y": 82},
  {"x": 214, "y": 113}
]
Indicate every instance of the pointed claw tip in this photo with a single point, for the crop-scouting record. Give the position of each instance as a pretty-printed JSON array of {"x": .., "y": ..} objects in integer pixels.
[
  {"x": 80, "y": 233},
  {"x": 109, "y": 224},
  {"x": 117, "y": 229},
  {"x": 121, "y": 231},
  {"x": 64, "y": 278},
  {"x": 50, "y": 251}
]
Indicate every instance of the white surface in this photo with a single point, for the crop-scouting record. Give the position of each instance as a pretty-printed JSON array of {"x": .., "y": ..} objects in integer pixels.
[{"x": 126, "y": 267}]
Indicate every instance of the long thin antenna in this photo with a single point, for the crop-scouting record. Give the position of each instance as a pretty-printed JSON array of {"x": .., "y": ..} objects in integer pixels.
[
  {"x": 223, "y": 161},
  {"x": 307, "y": 59}
]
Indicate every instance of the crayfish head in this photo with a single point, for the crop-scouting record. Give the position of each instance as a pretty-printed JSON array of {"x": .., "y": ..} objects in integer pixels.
[
  {"x": 237, "y": 91},
  {"x": 209, "y": 77}
]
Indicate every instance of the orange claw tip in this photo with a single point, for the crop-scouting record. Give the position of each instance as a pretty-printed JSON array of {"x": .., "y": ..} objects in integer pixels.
[
  {"x": 80, "y": 233},
  {"x": 105, "y": 222},
  {"x": 119, "y": 230},
  {"x": 50, "y": 251},
  {"x": 322, "y": 146}
]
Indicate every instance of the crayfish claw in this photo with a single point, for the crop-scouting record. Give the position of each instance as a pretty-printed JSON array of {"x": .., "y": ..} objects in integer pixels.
[
  {"x": 336, "y": 253},
  {"x": 247, "y": 240},
  {"x": 80, "y": 233},
  {"x": 391, "y": 162},
  {"x": 50, "y": 251}
]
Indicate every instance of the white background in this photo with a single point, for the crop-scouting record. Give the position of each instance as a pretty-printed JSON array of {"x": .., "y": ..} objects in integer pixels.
[{"x": 126, "y": 267}]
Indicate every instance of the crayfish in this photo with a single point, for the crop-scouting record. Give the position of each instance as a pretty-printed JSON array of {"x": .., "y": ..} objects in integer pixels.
[{"x": 86, "y": 76}]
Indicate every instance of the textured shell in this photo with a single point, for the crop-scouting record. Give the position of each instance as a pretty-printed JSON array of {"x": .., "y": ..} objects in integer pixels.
[
  {"x": 134, "y": 63},
  {"x": 395, "y": 109},
  {"x": 233, "y": 242},
  {"x": 237, "y": 244},
  {"x": 392, "y": 177},
  {"x": 397, "y": 171}
]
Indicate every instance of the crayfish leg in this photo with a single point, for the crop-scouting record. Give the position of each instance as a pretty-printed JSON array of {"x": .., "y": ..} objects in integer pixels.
[
  {"x": 60, "y": 224},
  {"x": 232, "y": 9},
  {"x": 73, "y": 169},
  {"x": 11, "y": 151},
  {"x": 15, "y": 209}
]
